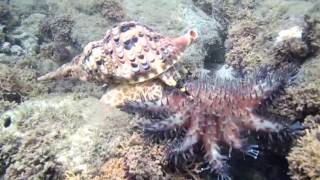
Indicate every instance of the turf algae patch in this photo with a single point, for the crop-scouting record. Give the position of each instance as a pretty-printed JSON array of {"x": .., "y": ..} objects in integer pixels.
[{"x": 46, "y": 137}]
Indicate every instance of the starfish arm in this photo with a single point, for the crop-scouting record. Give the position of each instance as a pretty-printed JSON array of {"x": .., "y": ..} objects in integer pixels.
[
  {"x": 216, "y": 161},
  {"x": 258, "y": 123},
  {"x": 170, "y": 122},
  {"x": 148, "y": 109},
  {"x": 231, "y": 135},
  {"x": 182, "y": 148}
]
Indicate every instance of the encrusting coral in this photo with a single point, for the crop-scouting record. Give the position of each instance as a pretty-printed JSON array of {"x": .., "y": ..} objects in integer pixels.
[
  {"x": 304, "y": 158},
  {"x": 130, "y": 53},
  {"x": 217, "y": 114}
]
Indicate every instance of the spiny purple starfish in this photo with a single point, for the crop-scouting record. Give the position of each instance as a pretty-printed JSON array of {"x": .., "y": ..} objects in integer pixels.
[{"x": 215, "y": 113}]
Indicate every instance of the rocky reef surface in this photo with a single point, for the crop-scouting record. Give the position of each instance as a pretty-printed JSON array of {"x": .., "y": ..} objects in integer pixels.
[
  {"x": 277, "y": 33},
  {"x": 59, "y": 130}
]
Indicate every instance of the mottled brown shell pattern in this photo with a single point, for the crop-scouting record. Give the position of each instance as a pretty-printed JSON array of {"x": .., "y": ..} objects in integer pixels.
[{"x": 129, "y": 52}]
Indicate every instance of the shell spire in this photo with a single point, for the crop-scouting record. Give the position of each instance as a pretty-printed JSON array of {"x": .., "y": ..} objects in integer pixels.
[{"x": 70, "y": 70}]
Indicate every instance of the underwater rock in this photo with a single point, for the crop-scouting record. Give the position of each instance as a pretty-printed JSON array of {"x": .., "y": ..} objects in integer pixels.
[
  {"x": 58, "y": 52},
  {"x": 313, "y": 35},
  {"x": 312, "y": 121},
  {"x": 7, "y": 22},
  {"x": 291, "y": 33},
  {"x": 56, "y": 41},
  {"x": 26, "y": 34},
  {"x": 89, "y": 24},
  {"x": 255, "y": 39},
  {"x": 16, "y": 50},
  {"x": 242, "y": 46},
  {"x": 50, "y": 136},
  {"x": 176, "y": 17},
  {"x": 4, "y": 12},
  {"x": 16, "y": 83},
  {"x": 11, "y": 50},
  {"x": 304, "y": 158},
  {"x": 57, "y": 29},
  {"x": 111, "y": 9},
  {"x": 303, "y": 98},
  {"x": 7, "y": 17},
  {"x": 292, "y": 45},
  {"x": 2, "y": 33},
  {"x": 205, "y": 5},
  {"x": 5, "y": 48},
  {"x": 250, "y": 46}
]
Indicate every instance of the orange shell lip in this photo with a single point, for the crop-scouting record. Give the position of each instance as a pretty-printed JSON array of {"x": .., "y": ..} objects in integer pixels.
[{"x": 193, "y": 35}]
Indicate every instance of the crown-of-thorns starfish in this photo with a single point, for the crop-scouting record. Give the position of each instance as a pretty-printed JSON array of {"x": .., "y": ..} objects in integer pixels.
[{"x": 129, "y": 53}]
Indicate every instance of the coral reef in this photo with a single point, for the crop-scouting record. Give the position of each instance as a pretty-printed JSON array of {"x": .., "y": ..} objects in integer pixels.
[
  {"x": 217, "y": 114},
  {"x": 55, "y": 133},
  {"x": 304, "y": 158}
]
